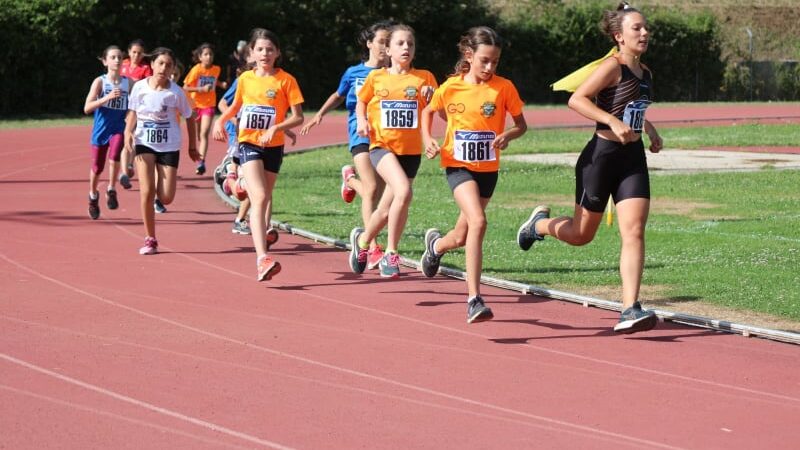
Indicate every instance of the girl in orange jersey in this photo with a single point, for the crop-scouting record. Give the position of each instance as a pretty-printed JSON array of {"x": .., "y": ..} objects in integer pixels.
[
  {"x": 475, "y": 101},
  {"x": 264, "y": 95},
  {"x": 201, "y": 83},
  {"x": 388, "y": 111}
]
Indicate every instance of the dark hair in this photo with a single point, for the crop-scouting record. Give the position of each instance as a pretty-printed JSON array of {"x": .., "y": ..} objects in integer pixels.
[
  {"x": 138, "y": 42},
  {"x": 199, "y": 51},
  {"x": 612, "y": 20},
  {"x": 368, "y": 34},
  {"x": 158, "y": 51},
  {"x": 262, "y": 33},
  {"x": 470, "y": 41},
  {"x": 179, "y": 68},
  {"x": 400, "y": 27},
  {"x": 108, "y": 49}
]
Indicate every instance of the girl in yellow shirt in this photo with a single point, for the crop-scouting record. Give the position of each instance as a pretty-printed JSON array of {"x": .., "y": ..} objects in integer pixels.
[
  {"x": 264, "y": 95},
  {"x": 475, "y": 101},
  {"x": 387, "y": 111}
]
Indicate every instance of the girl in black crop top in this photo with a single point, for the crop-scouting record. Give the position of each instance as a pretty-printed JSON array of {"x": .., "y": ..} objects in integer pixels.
[{"x": 613, "y": 164}]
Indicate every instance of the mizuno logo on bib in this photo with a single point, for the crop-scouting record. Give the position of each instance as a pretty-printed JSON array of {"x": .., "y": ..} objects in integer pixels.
[
  {"x": 473, "y": 146},
  {"x": 399, "y": 114}
]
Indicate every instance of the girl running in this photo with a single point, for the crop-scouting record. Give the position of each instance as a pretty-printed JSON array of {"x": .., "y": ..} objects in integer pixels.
[
  {"x": 264, "y": 95},
  {"x": 387, "y": 112},
  {"x": 108, "y": 100},
  {"x": 152, "y": 129},
  {"x": 135, "y": 67},
  {"x": 373, "y": 42},
  {"x": 475, "y": 101},
  {"x": 613, "y": 163},
  {"x": 201, "y": 83}
]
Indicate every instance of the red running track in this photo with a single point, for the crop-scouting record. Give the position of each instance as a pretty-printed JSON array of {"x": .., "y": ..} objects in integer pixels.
[{"x": 103, "y": 348}]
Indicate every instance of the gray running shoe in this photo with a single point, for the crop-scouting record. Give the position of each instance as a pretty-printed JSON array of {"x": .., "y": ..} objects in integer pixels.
[
  {"x": 240, "y": 227},
  {"x": 477, "y": 311},
  {"x": 111, "y": 199},
  {"x": 527, "y": 235},
  {"x": 635, "y": 319},
  {"x": 94, "y": 207},
  {"x": 390, "y": 265},
  {"x": 430, "y": 262},
  {"x": 358, "y": 256},
  {"x": 159, "y": 207},
  {"x": 125, "y": 181}
]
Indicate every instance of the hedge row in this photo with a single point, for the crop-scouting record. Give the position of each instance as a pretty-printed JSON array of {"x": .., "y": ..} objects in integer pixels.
[{"x": 51, "y": 46}]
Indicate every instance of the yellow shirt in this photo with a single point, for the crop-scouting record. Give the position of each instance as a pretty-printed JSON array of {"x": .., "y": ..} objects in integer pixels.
[
  {"x": 393, "y": 105},
  {"x": 476, "y": 114},
  {"x": 265, "y": 102}
]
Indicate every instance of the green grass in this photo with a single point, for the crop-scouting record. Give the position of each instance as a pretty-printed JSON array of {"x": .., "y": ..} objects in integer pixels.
[
  {"x": 9, "y": 124},
  {"x": 566, "y": 141},
  {"x": 731, "y": 239}
]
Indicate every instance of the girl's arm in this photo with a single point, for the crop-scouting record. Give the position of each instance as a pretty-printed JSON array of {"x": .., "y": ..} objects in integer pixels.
[
  {"x": 294, "y": 120},
  {"x": 519, "y": 128},
  {"x": 656, "y": 144},
  {"x": 362, "y": 125},
  {"x": 332, "y": 102},
  {"x": 93, "y": 99},
  {"x": 426, "y": 120},
  {"x": 581, "y": 100},
  {"x": 130, "y": 128},
  {"x": 228, "y": 114}
]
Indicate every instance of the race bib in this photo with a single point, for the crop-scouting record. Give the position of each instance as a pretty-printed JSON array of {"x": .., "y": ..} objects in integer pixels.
[
  {"x": 156, "y": 132},
  {"x": 473, "y": 146},
  {"x": 256, "y": 117},
  {"x": 120, "y": 102},
  {"x": 634, "y": 114},
  {"x": 399, "y": 114},
  {"x": 205, "y": 81}
]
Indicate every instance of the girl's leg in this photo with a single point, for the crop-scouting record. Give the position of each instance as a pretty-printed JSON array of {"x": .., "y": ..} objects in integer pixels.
[
  {"x": 99, "y": 153},
  {"x": 469, "y": 232},
  {"x": 244, "y": 207},
  {"x": 369, "y": 187},
  {"x": 632, "y": 217},
  {"x": 115, "y": 151},
  {"x": 576, "y": 230},
  {"x": 259, "y": 189},
  {"x": 391, "y": 171},
  {"x": 166, "y": 183},
  {"x": 202, "y": 135},
  {"x": 145, "y": 166}
]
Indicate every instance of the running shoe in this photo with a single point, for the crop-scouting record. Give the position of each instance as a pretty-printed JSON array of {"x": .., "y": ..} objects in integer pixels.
[
  {"x": 390, "y": 265},
  {"x": 430, "y": 262},
  {"x": 527, "y": 235},
  {"x": 272, "y": 237},
  {"x": 111, "y": 199},
  {"x": 150, "y": 246},
  {"x": 374, "y": 256},
  {"x": 94, "y": 207},
  {"x": 159, "y": 207},
  {"x": 129, "y": 171},
  {"x": 635, "y": 319},
  {"x": 201, "y": 167},
  {"x": 241, "y": 227},
  {"x": 477, "y": 311},
  {"x": 230, "y": 178},
  {"x": 267, "y": 268},
  {"x": 124, "y": 181},
  {"x": 358, "y": 255},
  {"x": 348, "y": 193}
]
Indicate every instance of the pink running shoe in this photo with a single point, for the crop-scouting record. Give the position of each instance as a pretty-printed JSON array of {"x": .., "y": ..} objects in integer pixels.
[
  {"x": 240, "y": 189},
  {"x": 267, "y": 268},
  {"x": 374, "y": 256},
  {"x": 272, "y": 237},
  {"x": 150, "y": 246},
  {"x": 348, "y": 193}
]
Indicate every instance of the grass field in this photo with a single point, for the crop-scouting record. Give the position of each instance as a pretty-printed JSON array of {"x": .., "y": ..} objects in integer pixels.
[{"x": 730, "y": 239}]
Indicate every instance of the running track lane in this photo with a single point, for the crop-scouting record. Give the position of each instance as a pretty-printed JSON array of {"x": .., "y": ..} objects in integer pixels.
[{"x": 103, "y": 348}]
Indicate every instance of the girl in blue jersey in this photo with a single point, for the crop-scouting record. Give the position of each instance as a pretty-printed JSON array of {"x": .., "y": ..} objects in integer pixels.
[
  {"x": 373, "y": 40},
  {"x": 108, "y": 100}
]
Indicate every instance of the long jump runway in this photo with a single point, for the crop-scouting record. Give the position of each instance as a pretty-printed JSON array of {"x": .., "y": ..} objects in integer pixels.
[{"x": 103, "y": 348}]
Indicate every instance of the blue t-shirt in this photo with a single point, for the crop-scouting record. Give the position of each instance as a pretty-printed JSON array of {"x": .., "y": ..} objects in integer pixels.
[
  {"x": 109, "y": 118},
  {"x": 351, "y": 82},
  {"x": 230, "y": 128}
]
